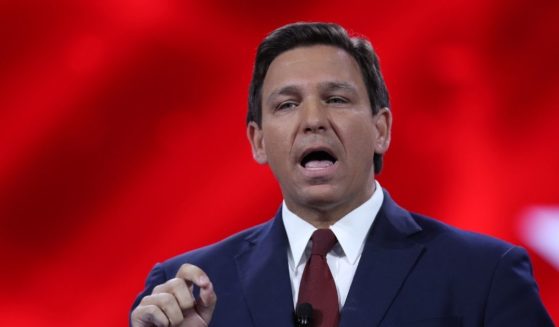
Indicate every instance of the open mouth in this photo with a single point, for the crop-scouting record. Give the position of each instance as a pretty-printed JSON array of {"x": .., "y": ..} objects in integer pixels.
[{"x": 318, "y": 159}]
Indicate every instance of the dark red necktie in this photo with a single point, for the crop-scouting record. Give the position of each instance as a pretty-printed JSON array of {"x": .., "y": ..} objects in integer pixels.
[{"x": 317, "y": 284}]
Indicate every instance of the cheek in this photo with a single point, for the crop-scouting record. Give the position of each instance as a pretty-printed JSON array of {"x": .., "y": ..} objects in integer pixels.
[
  {"x": 276, "y": 145},
  {"x": 362, "y": 147},
  {"x": 361, "y": 138}
]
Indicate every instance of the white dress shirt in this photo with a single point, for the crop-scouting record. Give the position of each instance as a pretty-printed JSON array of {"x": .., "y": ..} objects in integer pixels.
[{"x": 351, "y": 232}]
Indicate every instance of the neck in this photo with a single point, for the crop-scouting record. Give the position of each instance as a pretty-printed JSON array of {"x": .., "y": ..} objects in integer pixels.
[
  {"x": 324, "y": 215},
  {"x": 318, "y": 217}
]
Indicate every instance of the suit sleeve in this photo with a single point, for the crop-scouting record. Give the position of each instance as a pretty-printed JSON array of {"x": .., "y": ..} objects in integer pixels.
[
  {"x": 156, "y": 276},
  {"x": 514, "y": 298}
]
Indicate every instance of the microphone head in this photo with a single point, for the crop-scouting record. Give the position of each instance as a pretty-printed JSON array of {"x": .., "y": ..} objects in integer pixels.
[{"x": 303, "y": 314}]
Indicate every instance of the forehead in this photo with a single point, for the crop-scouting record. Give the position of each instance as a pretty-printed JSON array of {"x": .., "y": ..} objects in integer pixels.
[{"x": 312, "y": 65}]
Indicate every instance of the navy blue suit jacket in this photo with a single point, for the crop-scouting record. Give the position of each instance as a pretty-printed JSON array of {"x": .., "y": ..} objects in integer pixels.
[{"x": 414, "y": 271}]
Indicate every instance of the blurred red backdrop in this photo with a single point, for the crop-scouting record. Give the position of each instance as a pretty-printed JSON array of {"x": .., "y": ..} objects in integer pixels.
[{"x": 122, "y": 135}]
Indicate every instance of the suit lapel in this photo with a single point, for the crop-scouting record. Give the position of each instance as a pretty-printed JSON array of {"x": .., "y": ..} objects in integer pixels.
[
  {"x": 264, "y": 276},
  {"x": 388, "y": 257}
]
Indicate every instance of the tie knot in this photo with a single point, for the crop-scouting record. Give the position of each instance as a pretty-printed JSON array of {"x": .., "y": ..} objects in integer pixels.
[{"x": 322, "y": 241}]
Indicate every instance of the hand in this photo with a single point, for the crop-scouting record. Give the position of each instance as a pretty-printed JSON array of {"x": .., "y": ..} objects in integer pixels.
[{"x": 173, "y": 304}]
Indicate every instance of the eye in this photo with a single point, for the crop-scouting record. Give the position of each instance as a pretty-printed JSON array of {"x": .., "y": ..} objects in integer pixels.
[
  {"x": 337, "y": 100},
  {"x": 286, "y": 105}
]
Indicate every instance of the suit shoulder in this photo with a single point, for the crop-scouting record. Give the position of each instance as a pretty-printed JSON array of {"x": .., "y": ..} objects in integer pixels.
[{"x": 453, "y": 238}]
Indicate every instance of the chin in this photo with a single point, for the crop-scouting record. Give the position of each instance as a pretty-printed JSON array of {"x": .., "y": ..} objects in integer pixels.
[{"x": 320, "y": 196}]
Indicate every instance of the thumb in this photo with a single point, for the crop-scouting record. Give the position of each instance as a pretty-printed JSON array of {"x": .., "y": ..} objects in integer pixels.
[{"x": 205, "y": 304}]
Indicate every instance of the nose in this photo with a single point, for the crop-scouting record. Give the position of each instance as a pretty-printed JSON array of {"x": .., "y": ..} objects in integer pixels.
[{"x": 314, "y": 117}]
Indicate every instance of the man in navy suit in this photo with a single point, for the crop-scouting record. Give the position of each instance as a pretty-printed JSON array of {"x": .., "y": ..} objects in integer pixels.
[{"x": 319, "y": 117}]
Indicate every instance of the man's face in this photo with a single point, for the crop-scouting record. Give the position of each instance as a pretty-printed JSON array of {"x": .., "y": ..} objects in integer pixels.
[{"x": 318, "y": 133}]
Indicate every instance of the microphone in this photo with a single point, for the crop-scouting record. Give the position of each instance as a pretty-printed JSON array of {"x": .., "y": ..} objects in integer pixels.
[{"x": 303, "y": 315}]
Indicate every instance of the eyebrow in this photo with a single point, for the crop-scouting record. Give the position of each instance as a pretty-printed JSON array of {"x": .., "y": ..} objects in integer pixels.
[
  {"x": 286, "y": 90},
  {"x": 323, "y": 86},
  {"x": 337, "y": 85}
]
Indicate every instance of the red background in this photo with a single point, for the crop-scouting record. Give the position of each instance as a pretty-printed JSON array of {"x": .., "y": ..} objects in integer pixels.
[{"x": 122, "y": 136}]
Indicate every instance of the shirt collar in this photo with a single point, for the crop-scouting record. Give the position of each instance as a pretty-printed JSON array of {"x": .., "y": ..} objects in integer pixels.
[{"x": 350, "y": 231}]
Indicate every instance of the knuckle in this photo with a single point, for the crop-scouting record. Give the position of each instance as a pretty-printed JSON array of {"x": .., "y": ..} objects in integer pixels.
[
  {"x": 157, "y": 289},
  {"x": 146, "y": 300},
  {"x": 149, "y": 310},
  {"x": 167, "y": 299},
  {"x": 175, "y": 283},
  {"x": 137, "y": 312}
]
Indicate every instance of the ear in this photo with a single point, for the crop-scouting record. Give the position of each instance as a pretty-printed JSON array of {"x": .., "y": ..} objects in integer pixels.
[
  {"x": 256, "y": 139},
  {"x": 383, "y": 124}
]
